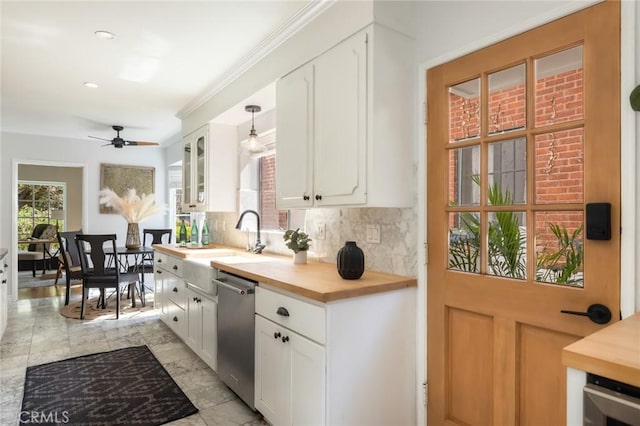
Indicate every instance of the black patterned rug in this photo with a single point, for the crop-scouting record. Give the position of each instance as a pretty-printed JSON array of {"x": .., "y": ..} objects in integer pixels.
[{"x": 122, "y": 387}]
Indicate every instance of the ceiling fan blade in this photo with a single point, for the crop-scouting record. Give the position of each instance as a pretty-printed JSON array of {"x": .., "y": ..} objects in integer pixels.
[
  {"x": 142, "y": 143},
  {"x": 102, "y": 139}
]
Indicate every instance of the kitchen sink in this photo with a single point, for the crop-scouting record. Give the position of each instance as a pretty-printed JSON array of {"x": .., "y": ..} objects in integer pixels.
[{"x": 198, "y": 273}]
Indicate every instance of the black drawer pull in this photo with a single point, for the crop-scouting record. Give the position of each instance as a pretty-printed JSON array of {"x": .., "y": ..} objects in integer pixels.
[
  {"x": 285, "y": 339},
  {"x": 175, "y": 319},
  {"x": 175, "y": 289},
  {"x": 159, "y": 260},
  {"x": 158, "y": 271},
  {"x": 276, "y": 335},
  {"x": 305, "y": 197},
  {"x": 282, "y": 311},
  {"x": 175, "y": 267},
  {"x": 318, "y": 197},
  {"x": 4, "y": 281}
]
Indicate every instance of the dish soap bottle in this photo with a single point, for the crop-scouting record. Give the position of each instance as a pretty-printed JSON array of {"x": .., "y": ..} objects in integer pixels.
[
  {"x": 194, "y": 234},
  {"x": 205, "y": 234},
  {"x": 182, "y": 236}
]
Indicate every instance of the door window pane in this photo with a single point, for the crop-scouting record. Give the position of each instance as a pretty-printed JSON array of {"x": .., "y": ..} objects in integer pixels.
[
  {"x": 560, "y": 248},
  {"x": 506, "y": 244},
  {"x": 464, "y": 172},
  {"x": 560, "y": 167},
  {"x": 559, "y": 87},
  {"x": 507, "y": 100},
  {"x": 464, "y": 111},
  {"x": 464, "y": 242},
  {"x": 507, "y": 165}
]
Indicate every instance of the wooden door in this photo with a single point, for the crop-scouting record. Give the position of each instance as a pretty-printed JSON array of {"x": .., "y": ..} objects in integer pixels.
[{"x": 522, "y": 135}]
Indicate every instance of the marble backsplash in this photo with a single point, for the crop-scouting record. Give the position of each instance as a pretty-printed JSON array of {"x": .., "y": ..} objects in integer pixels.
[{"x": 395, "y": 254}]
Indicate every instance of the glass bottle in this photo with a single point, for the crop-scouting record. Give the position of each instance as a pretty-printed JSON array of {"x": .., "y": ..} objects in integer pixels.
[
  {"x": 205, "y": 234},
  {"x": 182, "y": 237},
  {"x": 194, "y": 234}
]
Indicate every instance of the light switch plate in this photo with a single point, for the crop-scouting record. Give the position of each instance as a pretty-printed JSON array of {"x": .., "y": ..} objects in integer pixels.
[
  {"x": 321, "y": 231},
  {"x": 373, "y": 234}
]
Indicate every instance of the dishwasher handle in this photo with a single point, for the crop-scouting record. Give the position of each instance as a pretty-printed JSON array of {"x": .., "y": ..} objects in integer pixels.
[{"x": 241, "y": 291}]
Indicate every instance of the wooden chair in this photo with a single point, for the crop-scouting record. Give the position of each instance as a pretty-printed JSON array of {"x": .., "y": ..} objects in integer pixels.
[
  {"x": 96, "y": 273},
  {"x": 69, "y": 259},
  {"x": 39, "y": 251}
]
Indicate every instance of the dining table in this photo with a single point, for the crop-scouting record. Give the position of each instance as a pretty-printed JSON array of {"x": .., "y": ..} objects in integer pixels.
[{"x": 123, "y": 257}]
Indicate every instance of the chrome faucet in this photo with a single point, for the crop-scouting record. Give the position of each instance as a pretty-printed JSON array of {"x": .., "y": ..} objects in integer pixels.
[{"x": 259, "y": 246}]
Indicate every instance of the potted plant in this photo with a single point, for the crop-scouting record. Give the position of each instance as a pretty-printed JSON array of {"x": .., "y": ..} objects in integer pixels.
[{"x": 298, "y": 242}]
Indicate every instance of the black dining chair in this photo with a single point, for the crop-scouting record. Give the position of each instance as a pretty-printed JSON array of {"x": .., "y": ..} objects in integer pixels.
[
  {"x": 150, "y": 237},
  {"x": 69, "y": 259},
  {"x": 97, "y": 274}
]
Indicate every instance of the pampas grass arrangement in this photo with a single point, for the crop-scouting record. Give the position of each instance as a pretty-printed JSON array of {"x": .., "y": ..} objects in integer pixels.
[{"x": 133, "y": 207}]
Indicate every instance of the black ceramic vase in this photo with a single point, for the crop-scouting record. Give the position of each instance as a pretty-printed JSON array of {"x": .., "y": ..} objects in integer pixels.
[{"x": 350, "y": 261}]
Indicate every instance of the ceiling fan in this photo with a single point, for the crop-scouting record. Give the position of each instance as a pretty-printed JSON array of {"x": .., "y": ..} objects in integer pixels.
[{"x": 118, "y": 142}]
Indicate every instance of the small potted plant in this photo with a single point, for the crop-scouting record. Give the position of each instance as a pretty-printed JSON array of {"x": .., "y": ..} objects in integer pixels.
[{"x": 298, "y": 242}]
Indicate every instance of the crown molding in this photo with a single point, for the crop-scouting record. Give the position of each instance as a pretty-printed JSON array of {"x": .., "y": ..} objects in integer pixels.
[{"x": 292, "y": 25}]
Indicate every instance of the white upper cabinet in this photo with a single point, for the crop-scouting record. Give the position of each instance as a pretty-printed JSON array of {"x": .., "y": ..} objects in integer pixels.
[
  {"x": 209, "y": 169},
  {"x": 344, "y": 125}
]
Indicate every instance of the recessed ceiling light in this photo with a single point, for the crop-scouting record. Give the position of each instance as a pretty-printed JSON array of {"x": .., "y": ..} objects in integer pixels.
[
  {"x": 90, "y": 84},
  {"x": 105, "y": 34}
]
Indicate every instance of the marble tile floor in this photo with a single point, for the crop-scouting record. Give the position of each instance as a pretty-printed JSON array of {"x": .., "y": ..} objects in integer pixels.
[{"x": 37, "y": 333}]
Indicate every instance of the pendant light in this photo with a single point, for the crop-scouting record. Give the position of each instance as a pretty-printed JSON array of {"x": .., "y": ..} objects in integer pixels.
[{"x": 253, "y": 144}]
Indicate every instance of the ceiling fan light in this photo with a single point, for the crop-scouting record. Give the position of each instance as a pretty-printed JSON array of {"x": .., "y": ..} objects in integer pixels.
[
  {"x": 105, "y": 34},
  {"x": 90, "y": 84}
]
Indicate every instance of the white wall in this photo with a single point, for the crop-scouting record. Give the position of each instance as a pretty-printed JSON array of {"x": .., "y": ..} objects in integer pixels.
[{"x": 33, "y": 149}]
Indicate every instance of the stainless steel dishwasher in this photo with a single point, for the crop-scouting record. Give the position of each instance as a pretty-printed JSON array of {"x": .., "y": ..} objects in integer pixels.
[{"x": 236, "y": 325}]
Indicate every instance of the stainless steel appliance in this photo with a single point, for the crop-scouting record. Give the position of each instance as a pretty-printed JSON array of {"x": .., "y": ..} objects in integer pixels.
[
  {"x": 608, "y": 402},
  {"x": 236, "y": 325}
]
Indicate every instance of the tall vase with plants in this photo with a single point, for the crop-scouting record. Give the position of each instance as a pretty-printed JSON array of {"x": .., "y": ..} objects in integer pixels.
[
  {"x": 134, "y": 208},
  {"x": 299, "y": 243}
]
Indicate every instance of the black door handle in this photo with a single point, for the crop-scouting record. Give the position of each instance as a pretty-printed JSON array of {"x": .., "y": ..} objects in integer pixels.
[{"x": 597, "y": 313}]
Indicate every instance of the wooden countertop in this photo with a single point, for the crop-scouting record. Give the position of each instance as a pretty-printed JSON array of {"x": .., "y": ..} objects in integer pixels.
[
  {"x": 198, "y": 253},
  {"x": 612, "y": 352},
  {"x": 315, "y": 280}
]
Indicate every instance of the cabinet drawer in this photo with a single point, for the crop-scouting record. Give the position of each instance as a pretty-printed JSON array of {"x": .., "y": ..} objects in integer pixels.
[
  {"x": 305, "y": 318},
  {"x": 174, "y": 290},
  {"x": 174, "y": 316},
  {"x": 168, "y": 263}
]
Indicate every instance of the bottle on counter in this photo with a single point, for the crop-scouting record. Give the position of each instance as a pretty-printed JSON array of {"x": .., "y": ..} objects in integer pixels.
[
  {"x": 194, "y": 234},
  {"x": 182, "y": 236},
  {"x": 205, "y": 234}
]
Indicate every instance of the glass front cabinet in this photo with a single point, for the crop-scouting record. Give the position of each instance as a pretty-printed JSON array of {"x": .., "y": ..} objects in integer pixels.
[{"x": 209, "y": 169}]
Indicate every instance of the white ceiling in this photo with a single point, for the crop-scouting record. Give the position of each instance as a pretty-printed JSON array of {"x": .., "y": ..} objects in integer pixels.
[{"x": 165, "y": 55}]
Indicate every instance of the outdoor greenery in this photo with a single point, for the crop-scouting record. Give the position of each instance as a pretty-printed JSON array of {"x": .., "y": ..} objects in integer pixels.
[
  {"x": 35, "y": 203},
  {"x": 564, "y": 265},
  {"x": 506, "y": 245}
]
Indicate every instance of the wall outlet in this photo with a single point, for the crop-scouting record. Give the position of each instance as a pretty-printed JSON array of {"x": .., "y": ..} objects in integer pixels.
[
  {"x": 321, "y": 231},
  {"x": 373, "y": 234}
]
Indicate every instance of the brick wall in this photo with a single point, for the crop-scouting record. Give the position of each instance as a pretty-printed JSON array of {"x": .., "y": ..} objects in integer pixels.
[
  {"x": 271, "y": 218},
  {"x": 559, "y": 165}
]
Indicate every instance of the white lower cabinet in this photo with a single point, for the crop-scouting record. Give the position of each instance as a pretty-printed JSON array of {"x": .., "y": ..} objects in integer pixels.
[
  {"x": 202, "y": 320},
  {"x": 290, "y": 376},
  {"x": 191, "y": 314},
  {"x": 348, "y": 362}
]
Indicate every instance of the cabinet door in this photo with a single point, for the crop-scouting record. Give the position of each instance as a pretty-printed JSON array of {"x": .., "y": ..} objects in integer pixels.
[
  {"x": 187, "y": 169},
  {"x": 158, "y": 275},
  {"x": 294, "y": 170},
  {"x": 209, "y": 317},
  {"x": 3, "y": 294},
  {"x": 194, "y": 321},
  {"x": 307, "y": 381},
  {"x": 272, "y": 386},
  {"x": 199, "y": 166},
  {"x": 340, "y": 111}
]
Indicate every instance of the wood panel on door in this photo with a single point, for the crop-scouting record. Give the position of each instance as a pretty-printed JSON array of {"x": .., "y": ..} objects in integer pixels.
[{"x": 521, "y": 136}]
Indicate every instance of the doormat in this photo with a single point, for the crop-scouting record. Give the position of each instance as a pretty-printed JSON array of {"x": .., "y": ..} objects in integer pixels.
[
  {"x": 93, "y": 313},
  {"x": 122, "y": 387}
]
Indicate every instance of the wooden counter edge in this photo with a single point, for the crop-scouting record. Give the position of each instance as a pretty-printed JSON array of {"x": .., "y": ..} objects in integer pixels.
[{"x": 592, "y": 364}]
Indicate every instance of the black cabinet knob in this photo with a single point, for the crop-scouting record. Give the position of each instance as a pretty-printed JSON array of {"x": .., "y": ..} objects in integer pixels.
[
  {"x": 318, "y": 197},
  {"x": 285, "y": 339},
  {"x": 4, "y": 281},
  {"x": 305, "y": 197},
  {"x": 175, "y": 267},
  {"x": 175, "y": 289},
  {"x": 175, "y": 319},
  {"x": 276, "y": 335},
  {"x": 159, "y": 260},
  {"x": 195, "y": 299},
  {"x": 158, "y": 271}
]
